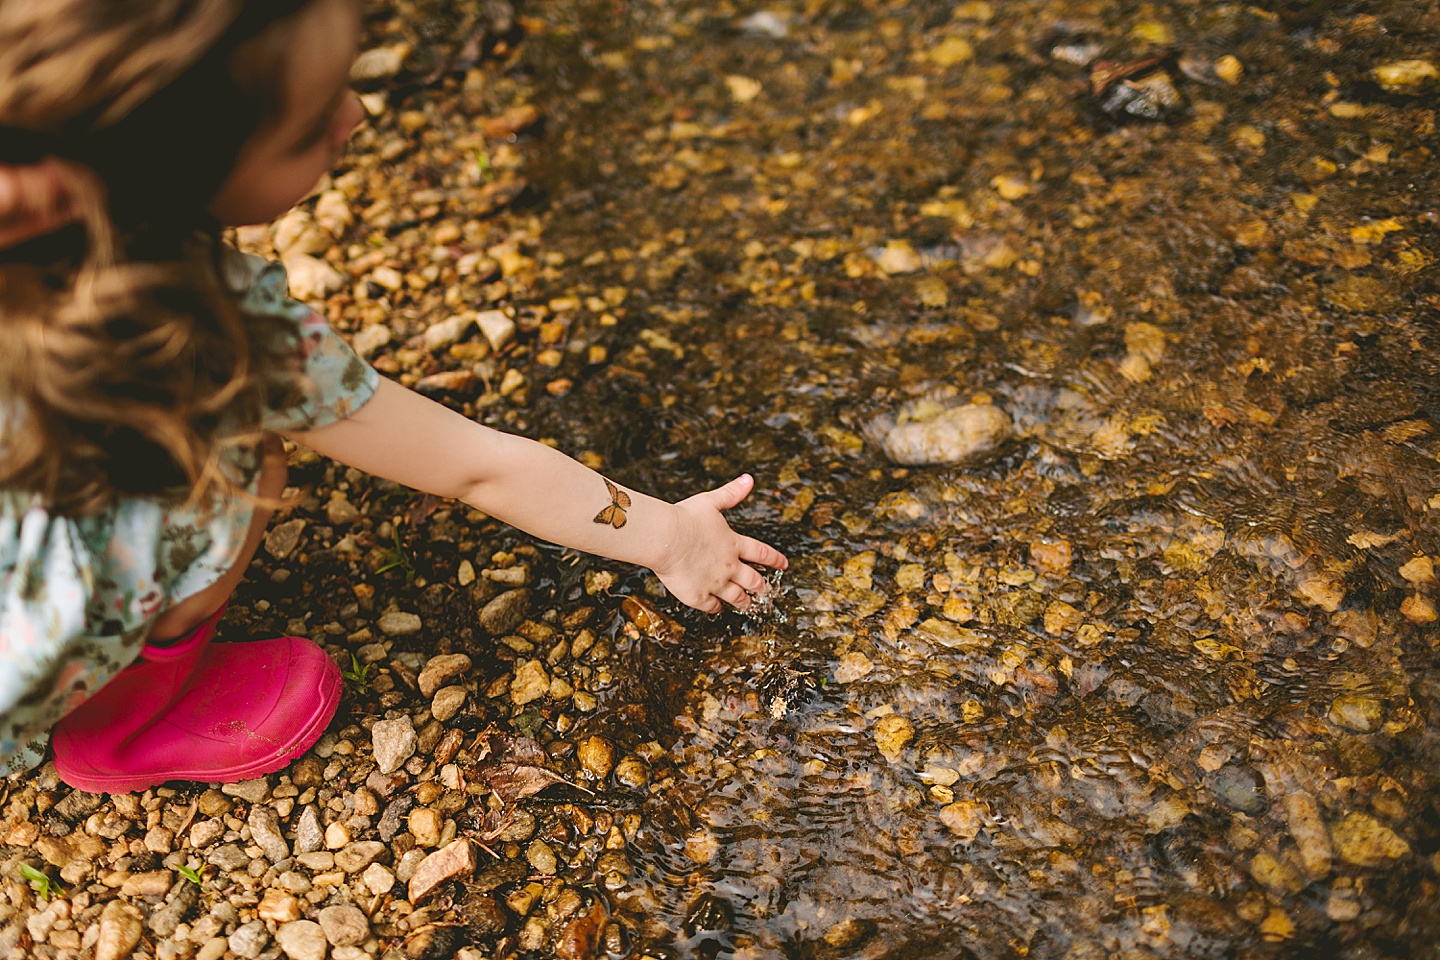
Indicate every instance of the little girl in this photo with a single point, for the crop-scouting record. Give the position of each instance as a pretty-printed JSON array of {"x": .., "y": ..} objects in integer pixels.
[{"x": 146, "y": 370}]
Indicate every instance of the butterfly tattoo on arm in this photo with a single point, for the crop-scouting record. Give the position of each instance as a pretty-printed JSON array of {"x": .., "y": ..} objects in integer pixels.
[{"x": 614, "y": 514}]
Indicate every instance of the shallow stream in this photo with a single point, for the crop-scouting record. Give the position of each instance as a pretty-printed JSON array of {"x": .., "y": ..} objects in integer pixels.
[{"x": 1157, "y": 676}]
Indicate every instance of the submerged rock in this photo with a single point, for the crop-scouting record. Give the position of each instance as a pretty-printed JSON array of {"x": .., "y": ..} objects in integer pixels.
[
  {"x": 1366, "y": 842},
  {"x": 933, "y": 434},
  {"x": 1240, "y": 788}
]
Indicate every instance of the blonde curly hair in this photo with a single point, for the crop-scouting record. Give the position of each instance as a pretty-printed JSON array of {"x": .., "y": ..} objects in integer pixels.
[{"x": 126, "y": 367}]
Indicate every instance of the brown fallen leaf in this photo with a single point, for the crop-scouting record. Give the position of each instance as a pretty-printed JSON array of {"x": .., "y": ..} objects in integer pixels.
[{"x": 514, "y": 767}]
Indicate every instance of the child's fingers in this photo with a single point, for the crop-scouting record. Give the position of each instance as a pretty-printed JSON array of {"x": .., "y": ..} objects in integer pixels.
[
  {"x": 733, "y": 492},
  {"x": 752, "y": 581},
  {"x": 757, "y": 551},
  {"x": 735, "y": 595},
  {"x": 711, "y": 604}
]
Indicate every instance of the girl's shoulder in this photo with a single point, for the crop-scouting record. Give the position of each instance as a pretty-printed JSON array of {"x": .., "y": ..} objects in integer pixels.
[{"x": 260, "y": 286}]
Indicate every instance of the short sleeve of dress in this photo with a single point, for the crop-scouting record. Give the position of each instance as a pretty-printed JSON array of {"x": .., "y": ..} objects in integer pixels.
[{"x": 334, "y": 382}]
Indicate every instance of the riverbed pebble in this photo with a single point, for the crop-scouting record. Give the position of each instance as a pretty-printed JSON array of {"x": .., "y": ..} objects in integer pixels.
[
  {"x": 1363, "y": 840},
  {"x": 964, "y": 434}
]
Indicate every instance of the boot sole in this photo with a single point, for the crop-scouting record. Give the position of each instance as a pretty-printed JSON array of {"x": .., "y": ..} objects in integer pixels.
[{"x": 328, "y": 691}]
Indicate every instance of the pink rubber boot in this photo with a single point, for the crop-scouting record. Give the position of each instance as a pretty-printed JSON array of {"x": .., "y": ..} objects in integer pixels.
[{"x": 199, "y": 711}]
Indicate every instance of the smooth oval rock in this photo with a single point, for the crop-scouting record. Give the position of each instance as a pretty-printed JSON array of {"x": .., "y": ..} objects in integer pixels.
[
  {"x": 398, "y": 623},
  {"x": 447, "y": 702},
  {"x": 439, "y": 670},
  {"x": 596, "y": 756},
  {"x": 960, "y": 435}
]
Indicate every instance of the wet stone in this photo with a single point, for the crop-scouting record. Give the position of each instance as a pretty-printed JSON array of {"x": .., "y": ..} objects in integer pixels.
[
  {"x": 1358, "y": 713},
  {"x": 1240, "y": 788},
  {"x": 1311, "y": 836},
  {"x": 892, "y": 734},
  {"x": 596, "y": 756},
  {"x": 965, "y": 434},
  {"x": 1362, "y": 840},
  {"x": 710, "y": 914},
  {"x": 531, "y": 683},
  {"x": 1357, "y": 756},
  {"x": 964, "y": 818},
  {"x": 849, "y": 933},
  {"x": 542, "y": 858}
]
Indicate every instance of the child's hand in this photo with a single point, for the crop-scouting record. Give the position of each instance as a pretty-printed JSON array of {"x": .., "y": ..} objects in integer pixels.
[{"x": 706, "y": 566}]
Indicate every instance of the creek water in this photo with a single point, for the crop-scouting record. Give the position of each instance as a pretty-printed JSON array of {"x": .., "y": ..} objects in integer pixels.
[{"x": 1157, "y": 678}]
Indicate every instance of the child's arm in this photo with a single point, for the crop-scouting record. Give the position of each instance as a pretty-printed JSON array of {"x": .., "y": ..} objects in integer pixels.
[{"x": 402, "y": 436}]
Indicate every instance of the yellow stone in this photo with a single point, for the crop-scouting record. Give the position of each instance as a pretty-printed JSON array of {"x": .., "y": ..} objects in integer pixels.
[
  {"x": 743, "y": 89},
  {"x": 892, "y": 734},
  {"x": 952, "y": 51},
  {"x": 1010, "y": 187},
  {"x": 964, "y": 818},
  {"x": 1418, "y": 608},
  {"x": 1419, "y": 570},
  {"x": 1362, "y": 840},
  {"x": 852, "y": 667},
  {"x": 1229, "y": 69},
  {"x": 1153, "y": 31},
  {"x": 1403, "y": 76},
  {"x": 1277, "y": 926},
  {"x": 1061, "y": 617}
]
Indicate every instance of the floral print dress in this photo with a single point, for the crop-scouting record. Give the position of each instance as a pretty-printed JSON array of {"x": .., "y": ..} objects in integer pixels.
[{"x": 78, "y": 595}]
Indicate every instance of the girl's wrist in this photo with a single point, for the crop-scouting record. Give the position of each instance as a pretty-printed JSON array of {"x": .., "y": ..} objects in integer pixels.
[{"x": 668, "y": 538}]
